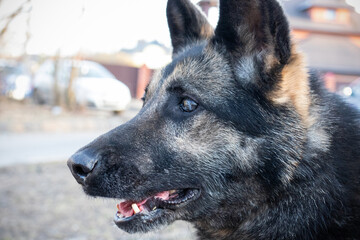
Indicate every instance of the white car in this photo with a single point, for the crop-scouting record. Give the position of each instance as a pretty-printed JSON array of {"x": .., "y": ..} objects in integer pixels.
[
  {"x": 15, "y": 81},
  {"x": 93, "y": 85}
]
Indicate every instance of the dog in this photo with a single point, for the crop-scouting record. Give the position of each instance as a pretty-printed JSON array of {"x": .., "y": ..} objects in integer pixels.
[{"x": 235, "y": 136}]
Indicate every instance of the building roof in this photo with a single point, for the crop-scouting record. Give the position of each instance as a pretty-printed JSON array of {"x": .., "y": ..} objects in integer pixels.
[
  {"x": 331, "y": 53},
  {"x": 300, "y": 19}
]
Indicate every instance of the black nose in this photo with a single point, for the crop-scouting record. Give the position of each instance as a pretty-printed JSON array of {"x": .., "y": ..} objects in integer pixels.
[{"x": 81, "y": 164}]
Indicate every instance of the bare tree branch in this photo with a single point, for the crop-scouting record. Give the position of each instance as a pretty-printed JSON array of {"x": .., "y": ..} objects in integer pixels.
[
  {"x": 11, "y": 17},
  {"x": 28, "y": 33}
]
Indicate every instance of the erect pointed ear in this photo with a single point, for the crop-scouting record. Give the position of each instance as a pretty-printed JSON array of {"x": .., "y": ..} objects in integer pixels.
[
  {"x": 254, "y": 28},
  {"x": 186, "y": 23},
  {"x": 255, "y": 34}
]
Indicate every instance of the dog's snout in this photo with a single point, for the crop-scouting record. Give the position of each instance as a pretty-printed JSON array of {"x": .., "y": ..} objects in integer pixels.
[{"x": 81, "y": 164}]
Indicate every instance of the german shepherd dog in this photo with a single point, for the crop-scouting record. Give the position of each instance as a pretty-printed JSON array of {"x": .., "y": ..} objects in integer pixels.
[{"x": 235, "y": 136}]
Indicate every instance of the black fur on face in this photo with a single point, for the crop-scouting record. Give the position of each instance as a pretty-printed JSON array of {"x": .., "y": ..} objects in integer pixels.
[{"x": 236, "y": 127}]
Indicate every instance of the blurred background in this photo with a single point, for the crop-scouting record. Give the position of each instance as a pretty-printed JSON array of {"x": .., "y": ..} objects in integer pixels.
[{"x": 71, "y": 70}]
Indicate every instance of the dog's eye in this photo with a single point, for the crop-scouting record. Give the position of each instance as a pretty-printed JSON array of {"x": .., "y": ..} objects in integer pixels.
[{"x": 188, "y": 105}]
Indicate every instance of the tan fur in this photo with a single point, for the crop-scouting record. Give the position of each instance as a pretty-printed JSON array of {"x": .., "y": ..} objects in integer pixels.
[
  {"x": 271, "y": 61},
  {"x": 294, "y": 87},
  {"x": 207, "y": 31}
]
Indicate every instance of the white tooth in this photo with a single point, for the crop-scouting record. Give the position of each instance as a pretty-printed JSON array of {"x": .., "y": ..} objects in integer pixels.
[{"x": 135, "y": 208}]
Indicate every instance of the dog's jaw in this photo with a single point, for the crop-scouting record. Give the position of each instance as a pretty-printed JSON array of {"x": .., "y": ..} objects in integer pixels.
[{"x": 161, "y": 209}]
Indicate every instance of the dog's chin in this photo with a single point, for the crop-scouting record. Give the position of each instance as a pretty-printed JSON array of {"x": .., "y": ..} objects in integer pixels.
[
  {"x": 159, "y": 209},
  {"x": 141, "y": 222}
]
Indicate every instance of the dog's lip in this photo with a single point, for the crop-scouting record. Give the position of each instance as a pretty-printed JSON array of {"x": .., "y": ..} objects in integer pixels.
[
  {"x": 163, "y": 207},
  {"x": 139, "y": 216}
]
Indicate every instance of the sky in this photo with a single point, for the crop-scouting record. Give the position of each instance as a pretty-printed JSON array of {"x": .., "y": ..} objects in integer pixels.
[
  {"x": 70, "y": 26},
  {"x": 87, "y": 25}
]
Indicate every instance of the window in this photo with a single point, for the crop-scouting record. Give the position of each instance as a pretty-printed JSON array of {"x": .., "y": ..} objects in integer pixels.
[{"x": 330, "y": 15}]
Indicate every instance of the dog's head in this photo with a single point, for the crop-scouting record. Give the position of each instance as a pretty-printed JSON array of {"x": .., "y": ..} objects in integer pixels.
[{"x": 215, "y": 137}]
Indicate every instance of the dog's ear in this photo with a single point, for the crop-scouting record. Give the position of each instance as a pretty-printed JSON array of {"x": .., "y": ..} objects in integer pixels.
[
  {"x": 255, "y": 28},
  {"x": 186, "y": 23},
  {"x": 255, "y": 34}
]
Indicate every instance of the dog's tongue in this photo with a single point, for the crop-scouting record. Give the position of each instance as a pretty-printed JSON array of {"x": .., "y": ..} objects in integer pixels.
[{"x": 128, "y": 208}]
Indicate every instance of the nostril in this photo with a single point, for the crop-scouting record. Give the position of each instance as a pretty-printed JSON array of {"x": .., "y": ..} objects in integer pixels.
[
  {"x": 82, "y": 163},
  {"x": 81, "y": 170}
]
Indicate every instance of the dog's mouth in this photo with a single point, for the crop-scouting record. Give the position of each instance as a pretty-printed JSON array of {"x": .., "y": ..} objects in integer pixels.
[{"x": 155, "y": 207}]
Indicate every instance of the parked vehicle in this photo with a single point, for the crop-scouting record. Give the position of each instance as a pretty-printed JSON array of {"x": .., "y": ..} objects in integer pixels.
[
  {"x": 15, "y": 81},
  {"x": 93, "y": 85}
]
